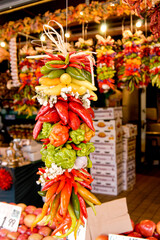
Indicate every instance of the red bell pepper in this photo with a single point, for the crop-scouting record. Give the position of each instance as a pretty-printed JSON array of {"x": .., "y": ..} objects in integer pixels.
[
  {"x": 83, "y": 113},
  {"x": 37, "y": 129},
  {"x": 62, "y": 109},
  {"x": 51, "y": 117},
  {"x": 74, "y": 121}
]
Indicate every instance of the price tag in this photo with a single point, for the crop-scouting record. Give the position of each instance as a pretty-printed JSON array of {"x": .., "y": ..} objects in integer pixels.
[
  {"x": 10, "y": 117},
  {"x": 120, "y": 237},
  {"x": 9, "y": 216},
  {"x": 81, "y": 233}
]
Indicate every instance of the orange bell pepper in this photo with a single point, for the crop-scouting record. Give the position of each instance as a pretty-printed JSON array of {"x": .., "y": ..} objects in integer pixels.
[{"x": 59, "y": 135}]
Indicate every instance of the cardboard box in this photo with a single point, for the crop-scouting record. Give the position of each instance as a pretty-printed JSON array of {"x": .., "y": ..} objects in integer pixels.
[
  {"x": 127, "y": 166},
  {"x": 107, "y": 125},
  {"x": 114, "y": 171},
  {"x": 105, "y": 159},
  {"x": 105, "y": 136},
  {"x": 129, "y": 130},
  {"x": 108, "y": 148},
  {"x": 127, "y": 155},
  {"x": 108, "y": 113},
  {"x": 108, "y": 190},
  {"x": 35, "y": 156},
  {"x": 111, "y": 217}
]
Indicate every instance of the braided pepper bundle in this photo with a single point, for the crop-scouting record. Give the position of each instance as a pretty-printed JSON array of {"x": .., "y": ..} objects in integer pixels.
[
  {"x": 65, "y": 126},
  {"x": 155, "y": 63},
  {"x": 130, "y": 71},
  {"x": 105, "y": 63},
  {"x": 145, "y": 56}
]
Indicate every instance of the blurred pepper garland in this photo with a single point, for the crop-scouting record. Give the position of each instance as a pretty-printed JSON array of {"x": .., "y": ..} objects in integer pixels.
[
  {"x": 29, "y": 75},
  {"x": 105, "y": 63}
]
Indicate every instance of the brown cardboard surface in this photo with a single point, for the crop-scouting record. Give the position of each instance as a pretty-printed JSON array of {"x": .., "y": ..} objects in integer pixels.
[{"x": 112, "y": 217}]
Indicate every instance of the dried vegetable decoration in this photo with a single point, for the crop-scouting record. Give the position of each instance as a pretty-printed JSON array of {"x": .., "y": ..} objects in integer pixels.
[
  {"x": 29, "y": 74},
  {"x": 155, "y": 63},
  {"x": 84, "y": 45},
  {"x": 145, "y": 57},
  {"x": 154, "y": 14},
  {"x": 129, "y": 74},
  {"x": 65, "y": 126},
  {"x": 105, "y": 63}
]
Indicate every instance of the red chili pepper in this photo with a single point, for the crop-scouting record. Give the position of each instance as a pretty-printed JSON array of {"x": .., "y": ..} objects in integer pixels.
[
  {"x": 72, "y": 53},
  {"x": 68, "y": 175},
  {"x": 50, "y": 182},
  {"x": 83, "y": 205},
  {"x": 51, "y": 117},
  {"x": 65, "y": 198},
  {"x": 53, "y": 57},
  {"x": 59, "y": 66},
  {"x": 74, "y": 146},
  {"x": 42, "y": 111},
  {"x": 61, "y": 57},
  {"x": 61, "y": 185},
  {"x": 91, "y": 112},
  {"x": 82, "y": 112},
  {"x": 73, "y": 99},
  {"x": 62, "y": 109},
  {"x": 45, "y": 147},
  {"x": 75, "y": 65},
  {"x": 42, "y": 170},
  {"x": 62, "y": 99},
  {"x": 85, "y": 185},
  {"x": 74, "y": 121},
  {"x": 37, "y": 129}
]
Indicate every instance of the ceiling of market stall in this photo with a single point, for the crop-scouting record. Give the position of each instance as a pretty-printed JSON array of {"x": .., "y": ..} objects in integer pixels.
[{"x": 9, "y": 8}]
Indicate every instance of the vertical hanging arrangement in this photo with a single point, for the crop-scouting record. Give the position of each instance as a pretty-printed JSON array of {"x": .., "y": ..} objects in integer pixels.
[
  {"x": 155, "y": 62},
  {"x": 13, "y": 62},
  {"x": 130, "y": 72},
  {"x": 145, "y": 56},
  {"x": 105, "y": 63},
  {"x": 29, "y": 74}
]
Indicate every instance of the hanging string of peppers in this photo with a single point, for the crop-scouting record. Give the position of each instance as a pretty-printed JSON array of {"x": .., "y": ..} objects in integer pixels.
[
  {"x": 145, "y": 57},
  {"x": 155, "y": 63},
  {"x": 29, "y": 73},
  {"x": 105, "y": 63},
  {"x": 130, "y": 73},
  {"x": 65, "y": 126}
]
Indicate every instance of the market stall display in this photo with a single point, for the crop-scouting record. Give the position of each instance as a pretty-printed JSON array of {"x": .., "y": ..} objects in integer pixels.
[{"x": 155, "y": 62}]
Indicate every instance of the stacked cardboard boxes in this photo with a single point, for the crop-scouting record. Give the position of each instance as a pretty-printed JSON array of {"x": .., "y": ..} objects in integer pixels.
[
  {"x": 107, "y": 158},
  {"x": 129, "y": 155}
]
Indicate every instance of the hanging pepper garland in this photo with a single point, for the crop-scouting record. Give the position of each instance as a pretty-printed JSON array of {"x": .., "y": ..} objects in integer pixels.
[
  {"x": 105, "y": 63},
  {"x": 29, "y": 74},
  {"x": 154, "y": 14},
  {"x": 6, "y": 180},
  {"x": 130, "y": 71},
  {"x": 64, "y": 125},
  {"x": 155, "y": 63},
  {"x": 145, "y": 57}
]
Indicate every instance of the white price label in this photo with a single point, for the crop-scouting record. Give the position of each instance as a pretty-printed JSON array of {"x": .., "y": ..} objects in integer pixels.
[
  {"x": 9, "y": 216},
  {"x": 120, "y": 237},
  {"x": 81, "y": 233}
]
